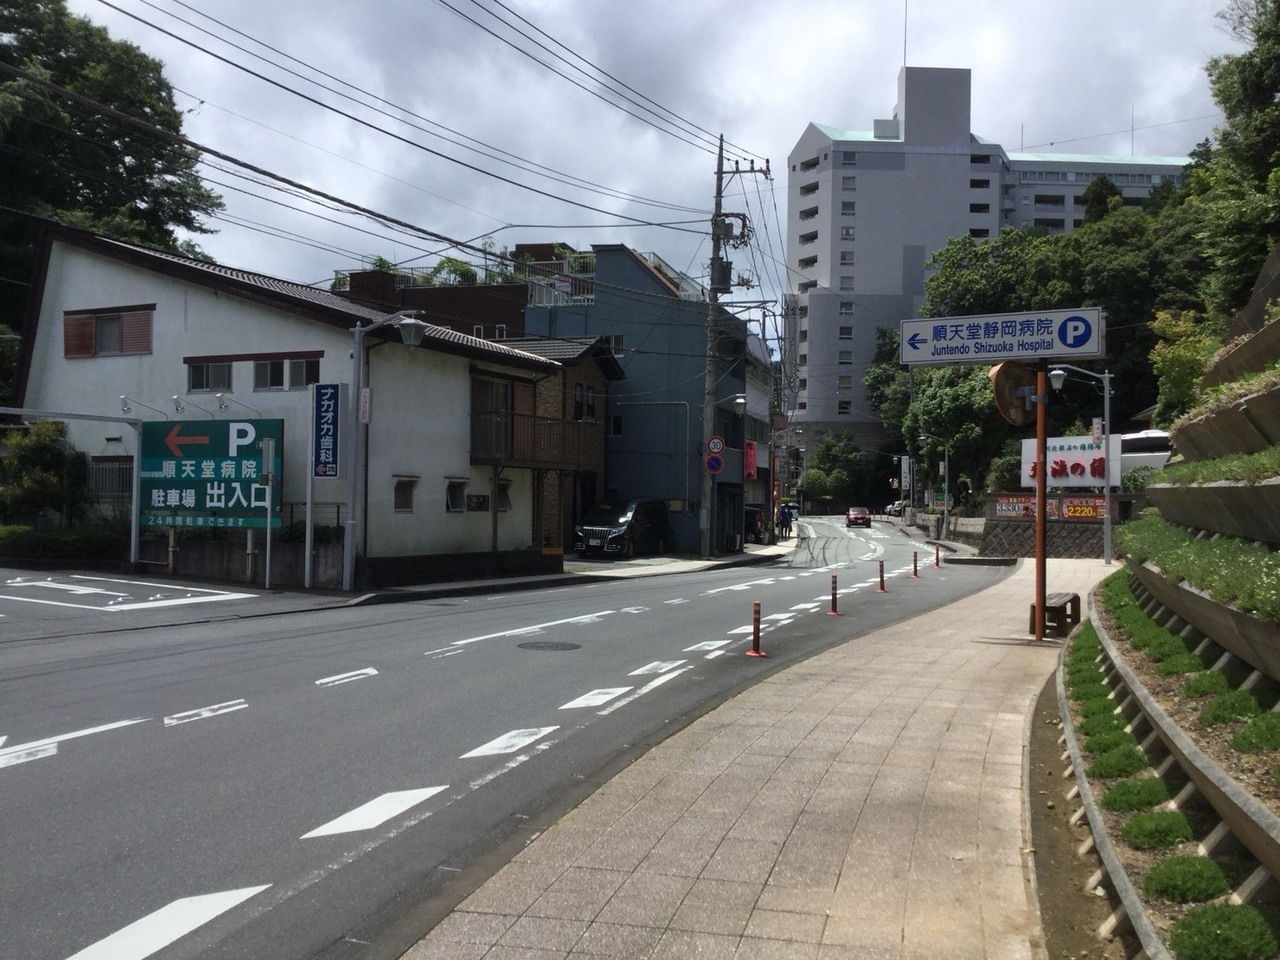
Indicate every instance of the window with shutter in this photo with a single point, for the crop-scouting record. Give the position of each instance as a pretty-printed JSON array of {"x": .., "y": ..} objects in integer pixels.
[{"x": 97, "y": 333}]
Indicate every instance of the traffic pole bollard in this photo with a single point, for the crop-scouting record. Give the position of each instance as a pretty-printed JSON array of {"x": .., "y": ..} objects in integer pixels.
[
  {"x": 755, "y": 650},
  {"x": 834, "y": 611},
  {"x": 881, "y": 589},
  {"x": 936, "y": 552},
  {"x": 915, "y": 564}
]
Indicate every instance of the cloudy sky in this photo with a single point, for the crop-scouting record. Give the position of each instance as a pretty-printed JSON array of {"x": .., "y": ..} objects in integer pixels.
[{"x": 414, "y": 79}]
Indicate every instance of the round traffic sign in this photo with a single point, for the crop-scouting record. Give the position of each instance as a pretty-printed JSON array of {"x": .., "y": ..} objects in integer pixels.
[
  {"x": 715, "y": 444},
  {"x": 715, "y": 463}
]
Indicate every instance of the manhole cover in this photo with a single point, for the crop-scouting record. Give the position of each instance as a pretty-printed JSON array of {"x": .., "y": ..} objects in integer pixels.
[{"x": 548, "y": 645}]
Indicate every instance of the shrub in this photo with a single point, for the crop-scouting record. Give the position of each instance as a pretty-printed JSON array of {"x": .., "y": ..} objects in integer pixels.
[
  {"x": 1120, "y": 762},
  {"x": 1160, "y": 828},
  {"x": 88, "y": 545},
  {"x": 1187, "y": 880},
  {"x": 1088, "y": 692},
  {"x": 1206, "y": 684},
  {"x": 1180, "y": 663},
  {"x": 1223, "y": 931},
  {"x": 1100, "y": 722},
  {"x": 1164, "y": 646},
  {"x": 1097, "y": 707},
  {"x": 1232, "y": 705},
  {"x": 1130, "y": 795},
  {"x": 1107, "y": 740},
  {"x": 1262, "y": 734}
]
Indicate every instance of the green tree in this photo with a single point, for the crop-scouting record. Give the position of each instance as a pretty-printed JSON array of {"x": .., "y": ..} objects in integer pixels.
[
  {"x": 41, "y": 473},
  {"x": 8, "y": 364},
  {"x": 77, "y": 164},
  {"x": 1187, "y": 342},
  {"x": 1097, "y": 198},
  {"x": 1246, "y": 86}
]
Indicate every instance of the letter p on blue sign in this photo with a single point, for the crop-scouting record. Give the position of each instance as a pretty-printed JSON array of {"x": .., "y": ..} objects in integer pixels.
[{"x": 1074, "y": 332}]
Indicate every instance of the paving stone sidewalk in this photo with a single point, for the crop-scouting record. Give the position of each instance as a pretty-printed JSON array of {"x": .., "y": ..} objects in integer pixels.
[{"x": 868, "y": 803}]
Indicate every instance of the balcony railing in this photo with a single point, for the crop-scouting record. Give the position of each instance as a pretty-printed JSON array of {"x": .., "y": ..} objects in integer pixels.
[{"x": 524, "y": 440}]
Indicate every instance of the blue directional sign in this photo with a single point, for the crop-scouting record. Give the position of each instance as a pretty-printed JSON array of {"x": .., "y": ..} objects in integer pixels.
[{"x": 1061, "y": 334}]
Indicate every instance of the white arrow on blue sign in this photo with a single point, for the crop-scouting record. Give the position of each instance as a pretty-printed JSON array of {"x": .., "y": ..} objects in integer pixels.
[{"x": 1064, "y": 334}]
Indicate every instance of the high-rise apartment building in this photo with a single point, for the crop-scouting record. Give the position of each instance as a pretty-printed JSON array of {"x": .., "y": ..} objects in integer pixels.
[{"x": 866, "y": 210}]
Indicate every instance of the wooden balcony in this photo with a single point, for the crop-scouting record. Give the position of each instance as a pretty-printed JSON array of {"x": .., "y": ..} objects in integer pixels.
[{"x": 524, "y": 440}]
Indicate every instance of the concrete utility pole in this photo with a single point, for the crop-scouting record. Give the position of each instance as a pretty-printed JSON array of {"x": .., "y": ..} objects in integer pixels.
[{"x": 709, "y": 386}]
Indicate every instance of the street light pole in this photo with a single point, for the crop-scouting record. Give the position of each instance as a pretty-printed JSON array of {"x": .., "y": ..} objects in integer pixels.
[
  {"x": 411, "y": 330},
  {"x": 1057, "y": 376},
  {"x": 946, "y": 480}
]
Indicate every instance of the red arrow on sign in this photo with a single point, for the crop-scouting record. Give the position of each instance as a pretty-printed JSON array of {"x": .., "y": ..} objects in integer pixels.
[{"x": 172, "y": 440}]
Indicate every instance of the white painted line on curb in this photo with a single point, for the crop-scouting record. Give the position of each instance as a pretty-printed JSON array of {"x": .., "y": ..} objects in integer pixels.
[
  {"x": 203, "y": 713},
  {"x": 157, "y": 930},
  {"x": 374, "y": 813},
  {"x": 509, "y": 742},
  {"x": 595, "y": 698}
]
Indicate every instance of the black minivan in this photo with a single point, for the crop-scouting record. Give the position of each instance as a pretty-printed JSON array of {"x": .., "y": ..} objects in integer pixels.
[{"x": 624, "y": 528}]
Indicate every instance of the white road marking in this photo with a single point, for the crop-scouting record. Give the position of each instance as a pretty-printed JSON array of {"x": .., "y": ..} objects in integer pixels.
[
  {"x": 766, "y": 582},
  {"x": 747, "y": 629},
  {"x": 705, "y": 645},
  {"x": 510, "y": 765},
  {"x": 806, "y": 606},
  {"x": 347, "y": 677},
  {"x": 536, "y": 628},
  {"x": 595, "y": 698},
  {"x": 157, "y": 930},
  {"x": 212, "y": 711},
  {"x": 35, "y": 749},
  {"x": 634, "y": 610},
  {"x": 651, "y": 685},
  {"x": 509, "y": 742},
  {"x": 780, "y": 616},
  {"x": 678, "y": 600},
  {"x": 76, "y": 588},
  {"x": 2, "y": 740},
  {"x": 716, "y": 653},
  {"x": 658, "y": 666},
  {"x": 427, "y": 653},
  {"x": 374, "y": 813},
  {"x": 440, "y": 655}
]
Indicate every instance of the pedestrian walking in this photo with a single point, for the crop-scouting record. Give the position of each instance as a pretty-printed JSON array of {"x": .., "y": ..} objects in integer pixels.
[{"x": 784, "y": 522}]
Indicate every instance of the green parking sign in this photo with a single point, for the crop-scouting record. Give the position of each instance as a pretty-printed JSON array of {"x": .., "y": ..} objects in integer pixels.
[{"x": 211, "y": 473}]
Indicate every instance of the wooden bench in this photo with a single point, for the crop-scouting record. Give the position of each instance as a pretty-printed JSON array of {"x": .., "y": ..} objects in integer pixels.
[{"x": 1061, "y": 613}]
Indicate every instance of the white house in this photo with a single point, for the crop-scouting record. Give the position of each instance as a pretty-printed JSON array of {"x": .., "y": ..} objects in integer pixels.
[{"x": 446, "y": 490}]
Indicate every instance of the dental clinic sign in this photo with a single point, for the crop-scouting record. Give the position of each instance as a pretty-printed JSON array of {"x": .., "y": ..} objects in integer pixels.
[
  {"x": 1061, "y": 334},
  {"x": 210, "y": 473}
]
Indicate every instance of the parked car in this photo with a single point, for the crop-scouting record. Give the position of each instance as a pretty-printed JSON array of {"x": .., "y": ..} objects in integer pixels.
[
  {"x": 754, "y": 523},
  {"x": 858, "y": 517},
  {"x": 623, "y": 528}
]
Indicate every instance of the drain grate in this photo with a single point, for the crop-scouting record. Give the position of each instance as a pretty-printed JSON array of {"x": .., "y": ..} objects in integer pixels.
[{"x": 548, "y": 645}]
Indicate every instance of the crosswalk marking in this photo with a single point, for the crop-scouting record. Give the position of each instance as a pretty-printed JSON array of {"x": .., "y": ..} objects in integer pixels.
[{"x": 595, "y": 698}]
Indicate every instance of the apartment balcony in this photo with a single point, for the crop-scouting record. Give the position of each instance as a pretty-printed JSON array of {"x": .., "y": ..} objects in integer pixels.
[{"x": 525, "y": 440}]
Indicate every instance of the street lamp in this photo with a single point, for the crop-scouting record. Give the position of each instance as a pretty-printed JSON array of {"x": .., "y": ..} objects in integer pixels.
[
  {"x": 946, "y": 479},
  {"x": 126, "y": 406},
  {"x": 1057, "y": 377},
  {"x": 224, "y": 403},
  {"x": 411, "y": 331},
  {"x": 181, "y": 407}
]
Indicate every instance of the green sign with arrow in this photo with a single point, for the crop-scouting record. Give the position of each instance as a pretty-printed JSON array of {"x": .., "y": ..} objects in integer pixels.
[{"x": 210, "y": 473}]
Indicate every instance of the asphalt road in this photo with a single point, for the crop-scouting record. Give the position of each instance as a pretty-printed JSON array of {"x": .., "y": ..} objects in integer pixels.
[{"x": 287, "y": 782}]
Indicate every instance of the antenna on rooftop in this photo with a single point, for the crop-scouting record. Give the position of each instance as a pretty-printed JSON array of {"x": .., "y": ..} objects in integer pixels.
[{"x": 904, "y": 32}]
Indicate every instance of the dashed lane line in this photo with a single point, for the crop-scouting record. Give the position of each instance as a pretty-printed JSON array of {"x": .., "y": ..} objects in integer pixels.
[
  {"x": 596, "y": 698},
  {"x": 203, "y": 713},
  {"x": 346, "y": 677},
  {"x": 640, "y": 692}
]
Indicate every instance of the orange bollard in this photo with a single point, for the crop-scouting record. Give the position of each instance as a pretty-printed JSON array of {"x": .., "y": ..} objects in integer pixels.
[
  {"x": 915, "y": 566},
  {"x": 833, "y": 612},
  {"x": 881, "y": 589},
  {"x": 755, "y": 650}
]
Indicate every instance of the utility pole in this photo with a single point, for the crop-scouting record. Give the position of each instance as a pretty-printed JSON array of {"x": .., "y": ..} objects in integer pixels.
[{"x": 709, "y": 384}]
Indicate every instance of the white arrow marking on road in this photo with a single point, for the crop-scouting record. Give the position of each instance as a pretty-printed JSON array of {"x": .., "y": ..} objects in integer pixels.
[
  {"x": 705, "y": 645},
  {"x": 595, "y": 698},
  {"x": 346, "y": 677},
  {"x": 585, "y": 618},
  {"x": 218, "y": 708},
  {"x": 651, "y": 685},
  {"x": 75, "y": 588},
  {"x": 375, "y": 813},
  {"x": 21, "y": 752},
  {"x": 658, "y": 666},
  {"x": 509, "y": 742},
  {"x": 634, "y": 610},
  {"x": 157, "y": 930}
]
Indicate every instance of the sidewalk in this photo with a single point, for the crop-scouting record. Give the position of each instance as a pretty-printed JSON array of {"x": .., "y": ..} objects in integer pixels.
[{"x": 868, "y": 803}]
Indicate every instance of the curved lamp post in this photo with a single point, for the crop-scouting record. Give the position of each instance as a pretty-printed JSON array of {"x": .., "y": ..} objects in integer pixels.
[
  {"x": 224, "y": 403},
  {"x": 946, "y": 479},
  {"x": 1057, "y": 377},
  {"x": 180, "y": 406},
  {"x": 411, "y": 331}
]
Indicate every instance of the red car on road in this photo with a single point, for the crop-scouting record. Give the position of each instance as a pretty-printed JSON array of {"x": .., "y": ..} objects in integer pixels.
[{"x": 858, "y": 517}]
